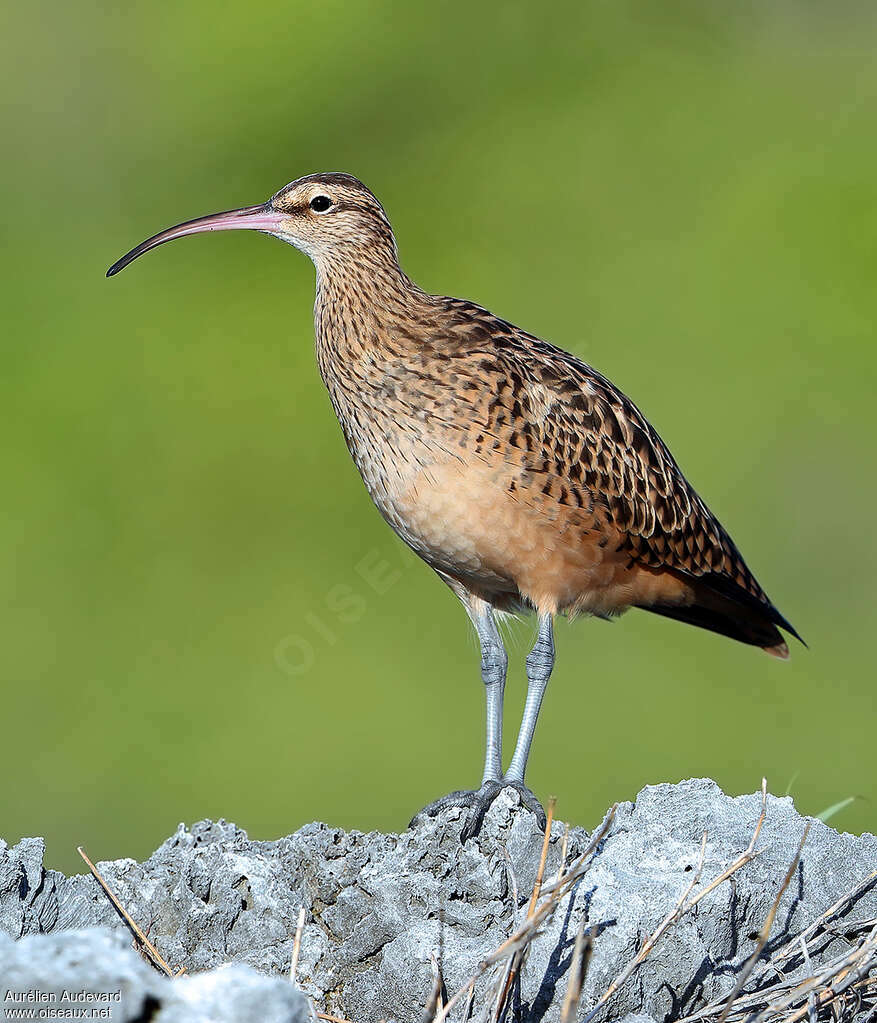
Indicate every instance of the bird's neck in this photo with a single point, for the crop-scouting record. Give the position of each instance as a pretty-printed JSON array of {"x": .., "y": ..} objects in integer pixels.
[{"x": 366, "y": 309}]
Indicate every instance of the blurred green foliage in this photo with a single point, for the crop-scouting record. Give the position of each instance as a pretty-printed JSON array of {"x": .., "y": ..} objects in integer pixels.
[{"x": 684, "y": 194}]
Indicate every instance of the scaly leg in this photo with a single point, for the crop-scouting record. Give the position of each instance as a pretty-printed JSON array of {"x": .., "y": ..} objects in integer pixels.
[
  {"x": 540, "y": 662},
  {"x": 493, "y": 672},
  {"x": 494, "y": 664}
]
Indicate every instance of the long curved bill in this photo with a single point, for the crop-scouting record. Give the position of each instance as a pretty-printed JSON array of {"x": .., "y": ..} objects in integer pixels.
[{"x": 250, "y": 218}]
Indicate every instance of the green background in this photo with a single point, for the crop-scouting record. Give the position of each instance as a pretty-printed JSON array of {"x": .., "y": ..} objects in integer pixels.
[{"x": 683, "y": 194}]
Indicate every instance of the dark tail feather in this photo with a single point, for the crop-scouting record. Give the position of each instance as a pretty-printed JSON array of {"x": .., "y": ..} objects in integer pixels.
[{"x": 722, "y": 607}]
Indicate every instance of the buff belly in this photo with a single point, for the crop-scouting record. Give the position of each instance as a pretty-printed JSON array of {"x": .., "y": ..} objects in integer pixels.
[{"x": 463, "y": 520}]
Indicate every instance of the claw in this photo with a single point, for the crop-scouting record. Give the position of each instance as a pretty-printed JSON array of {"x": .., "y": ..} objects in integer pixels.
[
  {"x": 479, "y": 802},
  {"x": 531, "y": 803}
]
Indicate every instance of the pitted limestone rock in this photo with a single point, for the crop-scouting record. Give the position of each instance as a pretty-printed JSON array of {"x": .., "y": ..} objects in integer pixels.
[
  {"x": 97, "y": 971},
  {"x": 380, "y": 905}
]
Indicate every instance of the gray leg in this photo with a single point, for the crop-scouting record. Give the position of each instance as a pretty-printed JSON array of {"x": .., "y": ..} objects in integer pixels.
[
  {"x": 494, "y": 664},
  {"x": 493, "y": 673},
  {"x": 540, "y": 661}
]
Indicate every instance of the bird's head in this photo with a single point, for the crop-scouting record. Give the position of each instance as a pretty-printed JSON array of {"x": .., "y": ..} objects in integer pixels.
[{"x": 325, "y": 215}]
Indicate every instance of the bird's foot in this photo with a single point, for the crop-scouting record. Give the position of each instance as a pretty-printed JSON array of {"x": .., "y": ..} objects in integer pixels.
[{"x": 479, "y": 802}]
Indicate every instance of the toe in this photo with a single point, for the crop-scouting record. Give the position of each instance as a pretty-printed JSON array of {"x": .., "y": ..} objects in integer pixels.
[
  {"x": 530, "y": 802},
  {"x": 482, "y": 803},
  {"x": 478, "y": 802},
  {"x": 464, "y": 798},
  {"x": 461, "y": 798}
]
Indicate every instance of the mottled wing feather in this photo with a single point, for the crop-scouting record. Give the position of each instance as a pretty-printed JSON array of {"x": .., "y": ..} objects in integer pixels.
[
  {"x": 594, "y": 439},
  {"x": 662, "y": 519}
]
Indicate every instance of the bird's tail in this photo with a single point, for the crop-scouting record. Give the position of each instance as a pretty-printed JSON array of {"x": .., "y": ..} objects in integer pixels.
[{"x": 721, "y": 606}]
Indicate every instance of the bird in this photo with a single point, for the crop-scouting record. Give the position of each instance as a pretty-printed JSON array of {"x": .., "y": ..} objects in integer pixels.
[{"x": 522, "y": 476}]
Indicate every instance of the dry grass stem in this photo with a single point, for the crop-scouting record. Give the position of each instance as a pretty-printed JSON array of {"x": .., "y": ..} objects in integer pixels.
[
  {"x": 144, "y": 943},
  {"x": 563, "y": 847},
  {"x": 551, "y": 896},
  {"x": 821, "y": 923},
  {"x": 467, "y": 1009},
  {"x": 296, "y": 945},
  {"x": 436, "y": 997},
  {"x": 811, "y": 998},
  {"x": 839, "y": 989},
  {"x": 764, "y": 933},
  {"x": 514, "y": 964},
  {"x": 540, "y": 873},
  {"x": 828, "y": 986},
  {"x": 581, "y": 956}
]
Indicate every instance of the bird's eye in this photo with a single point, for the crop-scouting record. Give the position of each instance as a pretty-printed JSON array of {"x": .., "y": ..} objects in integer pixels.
[{"x": 320, "y": 203}]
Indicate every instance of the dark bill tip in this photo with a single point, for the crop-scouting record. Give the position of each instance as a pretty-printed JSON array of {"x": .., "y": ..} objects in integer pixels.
[{"x": 253, "y": 218}]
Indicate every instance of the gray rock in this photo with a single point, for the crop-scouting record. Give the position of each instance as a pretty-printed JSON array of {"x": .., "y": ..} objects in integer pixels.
[
  {"x": 23, "y": 905},
  {"x": 232, "y": 994},
  {"x": 379, "y": 906},
  {"x": 98, "y": 970}
]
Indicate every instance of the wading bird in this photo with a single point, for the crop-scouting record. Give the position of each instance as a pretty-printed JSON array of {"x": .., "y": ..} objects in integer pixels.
[{"x": 522, "y": 476}]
